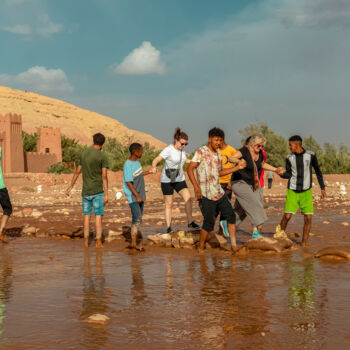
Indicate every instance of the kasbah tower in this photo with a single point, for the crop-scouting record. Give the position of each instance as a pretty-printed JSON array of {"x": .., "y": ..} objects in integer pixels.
[{"x": 49, "y": 150}]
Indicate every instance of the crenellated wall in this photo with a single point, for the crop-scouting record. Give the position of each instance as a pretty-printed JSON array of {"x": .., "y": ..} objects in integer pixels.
[
  {"x": 14, "y": 159},
  {"x": 49, "y": 141}
]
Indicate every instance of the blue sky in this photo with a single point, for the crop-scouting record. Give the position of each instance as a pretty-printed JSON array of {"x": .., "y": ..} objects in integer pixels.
[{"x": 158, "y": 64}]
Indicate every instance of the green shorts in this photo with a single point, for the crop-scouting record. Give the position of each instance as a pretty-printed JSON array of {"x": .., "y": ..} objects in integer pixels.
[{"x": 295, "y": 200}]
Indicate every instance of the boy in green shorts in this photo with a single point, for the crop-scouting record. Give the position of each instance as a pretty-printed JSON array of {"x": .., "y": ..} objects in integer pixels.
[{"x": 299, "y": 166}]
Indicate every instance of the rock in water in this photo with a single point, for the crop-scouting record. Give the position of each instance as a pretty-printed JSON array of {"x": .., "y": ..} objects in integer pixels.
[
  {"x": 98, "y": 318},
  {"x": 266, "y": 243},
  {"x": 118, "y": 195},
  {"x": 29, "y": 230},
  {"x": 339, "y": 251}
]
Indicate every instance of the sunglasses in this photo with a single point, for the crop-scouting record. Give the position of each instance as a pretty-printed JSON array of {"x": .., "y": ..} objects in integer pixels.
[
  {"x": 183, "y": 143},
  {"x": 260, "y": 146}
]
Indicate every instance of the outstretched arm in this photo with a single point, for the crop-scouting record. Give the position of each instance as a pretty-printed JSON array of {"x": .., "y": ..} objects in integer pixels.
[
  {"x": 155, "y": 162},
  {"x": 235, "y": 157},
  {"x": 241, "y": 165},
  {"x": 269, "y": 167}
]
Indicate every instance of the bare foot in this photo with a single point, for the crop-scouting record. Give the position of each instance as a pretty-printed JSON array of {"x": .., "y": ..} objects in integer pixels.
[
  {"x": 99, "y": 244},
  {"x": 86, "y": 242},
  {"x": 3, "y": 239},
  {"x": 200, "y": 250},
  {"x": 234, "y": 249},
  {"x": 140, "y": 248}
]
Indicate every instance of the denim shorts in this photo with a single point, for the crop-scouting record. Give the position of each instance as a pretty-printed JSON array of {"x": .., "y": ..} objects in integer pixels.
[
  {"x": 136, "y": 212},
  {"x": 94, "y": 201}
]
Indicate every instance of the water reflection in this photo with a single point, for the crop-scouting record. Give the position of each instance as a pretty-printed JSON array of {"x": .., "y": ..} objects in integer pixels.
[
  {"x": 137, "y": 285},
  {"x": 5, "y": 284},
  {"x": 307, "y": 308},
  {"x": 95, "y": 299},
  {"x": 227, "y": 295}
]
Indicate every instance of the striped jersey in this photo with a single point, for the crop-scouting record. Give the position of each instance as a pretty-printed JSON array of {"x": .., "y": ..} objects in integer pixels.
[{"x": 299, "y": 171}]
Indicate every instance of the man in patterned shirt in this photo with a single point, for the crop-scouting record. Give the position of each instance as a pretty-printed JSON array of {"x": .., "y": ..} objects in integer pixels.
[{"x": 212, "y": 199}]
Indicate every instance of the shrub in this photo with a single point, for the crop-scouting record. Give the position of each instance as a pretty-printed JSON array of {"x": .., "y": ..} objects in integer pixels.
[
  {"x": 117, "y": 154},
  {"x": 71, "y": 149},
  {"x": 59, "y": 168},
  {"x": 28, "y": 188}
]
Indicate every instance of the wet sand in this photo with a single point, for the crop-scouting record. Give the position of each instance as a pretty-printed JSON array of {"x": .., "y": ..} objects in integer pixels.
[{"x": 169, "y": 298}]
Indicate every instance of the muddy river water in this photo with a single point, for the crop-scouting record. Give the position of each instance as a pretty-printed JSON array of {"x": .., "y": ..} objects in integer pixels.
[{"x": 169, "y": 299}]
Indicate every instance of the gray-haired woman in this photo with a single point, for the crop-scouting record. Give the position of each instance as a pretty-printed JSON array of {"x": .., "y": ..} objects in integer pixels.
[{"x": 246, "y": 185}]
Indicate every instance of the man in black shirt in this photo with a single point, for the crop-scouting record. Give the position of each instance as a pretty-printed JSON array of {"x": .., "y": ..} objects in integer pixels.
[{"x": 299, "y": 166}]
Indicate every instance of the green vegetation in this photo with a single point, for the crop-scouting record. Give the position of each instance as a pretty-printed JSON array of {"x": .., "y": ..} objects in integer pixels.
[
  {"x": 59, "y": 168},
  {"x": 29, "y": 142},
  {"x": 332, "y": 160},
  {"x": 276, "y": 146},
  {"x": 71, "y": 150},
  {"x": 28, "y": 188},
  {"x": 118, "y": 153}
]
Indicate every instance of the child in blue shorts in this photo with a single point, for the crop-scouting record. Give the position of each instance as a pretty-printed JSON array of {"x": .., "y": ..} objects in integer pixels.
[{"x": 134, "y": 189}]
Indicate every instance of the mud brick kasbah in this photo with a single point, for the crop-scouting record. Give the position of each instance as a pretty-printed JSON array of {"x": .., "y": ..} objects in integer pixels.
[{"x": 49, "y": 149}]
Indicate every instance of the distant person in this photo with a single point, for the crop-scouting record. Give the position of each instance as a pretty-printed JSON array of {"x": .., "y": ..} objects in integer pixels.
[
  {"x": 93, "y": 164},
  {"x": 134, "y": 189},
  {"x": 246, "y": 184},
  {"x": 298, "y": 171},
  {"x": 5, "y": 204},
  {"x": 261, "y": 176},
  {"x": 173, "y": 178},
  {"x": 226, "y": 152},
  {"x": 269, "y": 179},
  {"x": 212, "y": 199}
]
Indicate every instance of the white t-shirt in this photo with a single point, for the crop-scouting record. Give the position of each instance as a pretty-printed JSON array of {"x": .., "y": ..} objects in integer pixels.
[{"x": 172, "y": 158}]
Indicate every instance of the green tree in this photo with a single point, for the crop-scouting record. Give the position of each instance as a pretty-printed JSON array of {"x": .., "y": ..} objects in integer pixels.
[
  {"x": 71, "y": 149},
  {"x": 276, "y": 146},
  {"x": 29, "y": 142},
  {"x": 117, "y": 154},
  {"x": 309, "y": 143}
]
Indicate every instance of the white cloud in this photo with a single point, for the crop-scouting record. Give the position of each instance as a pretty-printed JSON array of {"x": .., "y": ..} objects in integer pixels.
[
  {"x": 22, "y": 29},
  {"x": 39, "y": 79},
  {"x": 47, "y": 27},
  {"x": 314, "y": 13},
  {"x": 142, "y": 60},
  {"x": 44, "y": 27}
]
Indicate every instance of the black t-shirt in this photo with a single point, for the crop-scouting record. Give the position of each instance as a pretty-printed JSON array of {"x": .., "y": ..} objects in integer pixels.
[{"x": 247, "y": 174}]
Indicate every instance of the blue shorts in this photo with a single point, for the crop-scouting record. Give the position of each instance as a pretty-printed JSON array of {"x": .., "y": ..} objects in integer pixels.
[
  {"x": 136, "y": 212},
  {"x": 94, "y": 201}
]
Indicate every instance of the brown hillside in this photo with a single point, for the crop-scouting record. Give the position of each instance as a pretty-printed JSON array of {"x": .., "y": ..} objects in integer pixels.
[{"x": 74, "y": 122}]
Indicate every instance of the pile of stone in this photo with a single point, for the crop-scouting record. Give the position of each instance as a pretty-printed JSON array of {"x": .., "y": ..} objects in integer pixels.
[{"x": 179, "y": 239}]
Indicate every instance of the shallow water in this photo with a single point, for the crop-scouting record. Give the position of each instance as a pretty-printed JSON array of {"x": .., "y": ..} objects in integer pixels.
[{"x": 167, "y": 299}]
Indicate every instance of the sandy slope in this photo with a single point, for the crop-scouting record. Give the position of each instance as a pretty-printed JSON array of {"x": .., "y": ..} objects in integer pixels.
[{"x": 75, "y": 122}]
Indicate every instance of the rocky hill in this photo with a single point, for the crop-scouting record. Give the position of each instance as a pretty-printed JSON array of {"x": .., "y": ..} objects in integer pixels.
[{"x": 74, "y": 122}]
